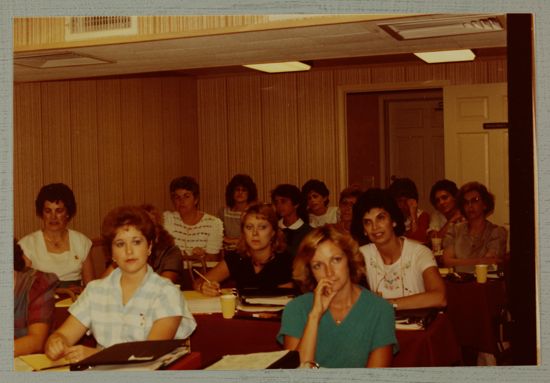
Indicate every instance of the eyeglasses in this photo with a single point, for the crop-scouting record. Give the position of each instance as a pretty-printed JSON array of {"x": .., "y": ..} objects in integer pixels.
[{"x": 472, "y": 201}]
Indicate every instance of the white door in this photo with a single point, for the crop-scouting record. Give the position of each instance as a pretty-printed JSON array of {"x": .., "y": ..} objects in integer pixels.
[
  {"x": 416, "y": 149},
  {"x": 473, "y": 153}
]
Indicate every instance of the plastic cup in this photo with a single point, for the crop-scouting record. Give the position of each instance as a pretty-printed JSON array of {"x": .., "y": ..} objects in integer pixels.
[
  {"x": 229, "y": 304},
  {"x": 436, "y": 244},
  {"x": 481, "y": 273}
]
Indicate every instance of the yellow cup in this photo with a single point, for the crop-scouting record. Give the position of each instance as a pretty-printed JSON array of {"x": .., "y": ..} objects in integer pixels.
[
  {"x": 229, "y": 304},
  {"x": 481, "y": 273}
]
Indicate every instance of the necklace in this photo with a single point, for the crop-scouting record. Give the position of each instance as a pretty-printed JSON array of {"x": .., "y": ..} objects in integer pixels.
[{"x": 57, "y": 244}]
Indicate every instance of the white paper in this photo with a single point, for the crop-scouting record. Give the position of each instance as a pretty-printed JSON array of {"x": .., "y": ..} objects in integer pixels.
[{"x": 255, "y": 361}]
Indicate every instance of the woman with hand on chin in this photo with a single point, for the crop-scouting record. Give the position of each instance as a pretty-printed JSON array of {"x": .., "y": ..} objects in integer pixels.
[
  {"x": 133, "y": 303},
  {"x": 401, "y": 270},
  {"x": 336, "y": 323},
  {"x": 260, "y": 260}
]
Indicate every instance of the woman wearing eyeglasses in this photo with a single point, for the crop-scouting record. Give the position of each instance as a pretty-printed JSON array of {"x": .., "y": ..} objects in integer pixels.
[
  {"x": 476, "y": 241},
  {"x": 401, "y": 270}
]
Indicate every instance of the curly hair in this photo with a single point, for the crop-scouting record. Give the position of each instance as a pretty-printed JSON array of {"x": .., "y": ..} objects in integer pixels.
[
  {"x": 316, "y": 186},
  {"x": 126, "y": 216},
  {"x": 301, "y": 268},
  {"x": 375, "y": 198},
  {"x": 442, "y": 185},
  {"x": 293, "y": 193},
  {"x": 55, "y": 193},
  {"x": 403, "y": 187},
  {"x": 267, "y": 212},
  {"x": 487, "y": 197},
  {"x": 244, "y": 181},
  {"x": 187, "y": 183}
]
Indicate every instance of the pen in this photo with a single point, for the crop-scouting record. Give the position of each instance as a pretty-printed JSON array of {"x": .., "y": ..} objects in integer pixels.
[{"x": 203, "y": 277}]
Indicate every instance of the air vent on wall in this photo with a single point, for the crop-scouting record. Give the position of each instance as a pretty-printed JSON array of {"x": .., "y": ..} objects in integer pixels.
[
  {"x": 93, "y": 27},
  {"x": 446, "y": 26},
  {"x": 57, "y": 60}
]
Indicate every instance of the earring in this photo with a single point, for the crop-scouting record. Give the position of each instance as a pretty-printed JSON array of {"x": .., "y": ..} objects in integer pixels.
[{"x": 394, "y": 224}]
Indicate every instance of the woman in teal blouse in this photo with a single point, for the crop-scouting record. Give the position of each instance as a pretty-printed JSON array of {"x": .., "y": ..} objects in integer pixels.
[{"x": 337, "y": 322}]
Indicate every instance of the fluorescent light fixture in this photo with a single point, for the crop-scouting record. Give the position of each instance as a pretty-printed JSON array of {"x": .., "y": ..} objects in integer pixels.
[
  {"x": 290, "y": 66},
  {"x": 447, "y": 56}
]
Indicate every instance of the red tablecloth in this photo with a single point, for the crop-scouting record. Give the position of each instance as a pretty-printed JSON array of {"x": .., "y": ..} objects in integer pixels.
[
  {"x": 215, "y": 337},
  {"x": 190, "y": 361},
  {"x": 474, "y": 310}
]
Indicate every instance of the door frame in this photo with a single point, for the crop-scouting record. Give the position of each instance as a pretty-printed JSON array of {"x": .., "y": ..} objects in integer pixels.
[{"x": 341, "y": 111}]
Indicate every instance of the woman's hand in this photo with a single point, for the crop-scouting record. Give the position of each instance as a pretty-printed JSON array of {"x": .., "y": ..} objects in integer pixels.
[
  {"x": 55, "y": 346},
  {"x": 323, "y": 295},
  {"x": 75, "y": 354},
  {"x": 211, "y": 289}
]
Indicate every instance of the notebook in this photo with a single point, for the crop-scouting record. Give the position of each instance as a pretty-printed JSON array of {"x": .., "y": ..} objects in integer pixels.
[{"x": 140, "y": 355}]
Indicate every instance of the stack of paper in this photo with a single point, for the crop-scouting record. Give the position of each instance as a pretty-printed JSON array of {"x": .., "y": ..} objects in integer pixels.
[
  {"x": 201, "y": 304},
  {"x": 256, "y": 361}
]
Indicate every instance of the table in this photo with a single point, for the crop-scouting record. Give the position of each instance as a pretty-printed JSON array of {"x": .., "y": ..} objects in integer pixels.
[
  {"x": 474, "y": 310},
  {"x": 192, "y": 361},
  {"x": 215, "y": 337}
]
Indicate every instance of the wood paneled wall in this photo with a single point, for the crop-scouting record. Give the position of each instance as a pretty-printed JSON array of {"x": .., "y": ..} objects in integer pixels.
[
  {"x": 122, "y": 140},
  {"x": 112, "y": 141}
]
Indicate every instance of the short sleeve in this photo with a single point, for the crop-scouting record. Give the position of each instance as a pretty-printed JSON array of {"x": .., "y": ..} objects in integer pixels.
[
  {"x": 215, "y": 237},
  {"x": 385, "y": 328},
  {"x": 82, "y": 308},
  {"x": 171, "y": 261},
  {"x": 293, "y": 320},
  {"x": 424, "y": 258},
  {"x": 168, "y": 303}
]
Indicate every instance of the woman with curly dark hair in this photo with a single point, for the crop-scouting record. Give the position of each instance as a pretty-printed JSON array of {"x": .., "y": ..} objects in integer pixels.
[
  {"x": 337, "y": 322},
  {"x": 260, "y": 261},
  {"x": 476, "y": 241},
  {"x": 399, "y": 269},
  {"x": 240, "y": 192},
  {"x": 56, "y": 248}
]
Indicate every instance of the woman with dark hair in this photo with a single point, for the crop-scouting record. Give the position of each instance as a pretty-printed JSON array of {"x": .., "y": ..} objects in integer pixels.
[
  {"x": 33, "y": 305},
  {"x": 294, "y": 218},
  {"x": 336, "y": 323},
  {"x": 165, "y": 258},
  {"x": 260, "y": 260},
  {"x": 476, "y": 241},
  {"x": 399, "y": 269},
  {"x": 240, "y": 192},
  {"x": 133, "y": 303},
  {"x": 56, "y": 248},
  {"x": 443, "y": 198},
  {"x": 417, "y": 221},
  {"x": 196, "y": 233},
  {"x": 316, "y": 194}
]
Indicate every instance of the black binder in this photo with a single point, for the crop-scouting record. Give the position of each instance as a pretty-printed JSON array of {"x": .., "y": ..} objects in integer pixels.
[{"x": 130, "y": 353}]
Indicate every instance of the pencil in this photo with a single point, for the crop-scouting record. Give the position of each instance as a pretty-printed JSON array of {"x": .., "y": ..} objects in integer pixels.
[{"x": 202, "y": 276}]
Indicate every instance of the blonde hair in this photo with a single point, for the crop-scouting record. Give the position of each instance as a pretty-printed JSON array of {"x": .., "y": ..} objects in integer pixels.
[
  {"x": 267, "y": 212},
  {"x": 301, "y": 269}
]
